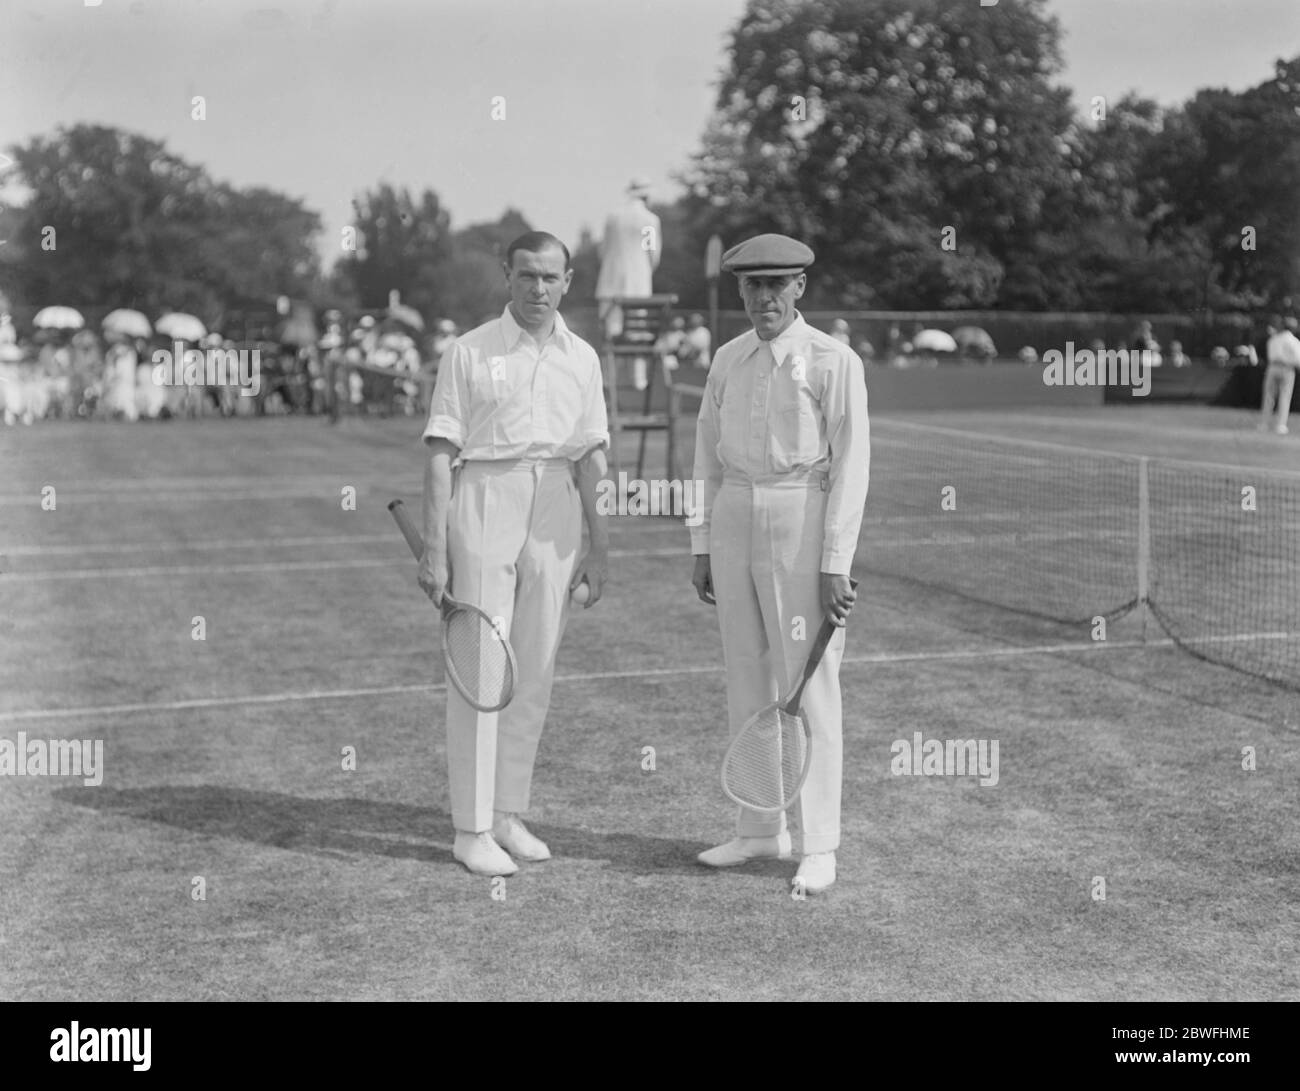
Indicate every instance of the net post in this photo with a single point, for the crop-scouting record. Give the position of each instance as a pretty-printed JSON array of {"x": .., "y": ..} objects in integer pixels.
[{"x": 1144, "y": 542}]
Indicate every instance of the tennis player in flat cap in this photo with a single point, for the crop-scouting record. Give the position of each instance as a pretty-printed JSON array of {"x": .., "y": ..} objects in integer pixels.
[{"x": 783, "y": 450}]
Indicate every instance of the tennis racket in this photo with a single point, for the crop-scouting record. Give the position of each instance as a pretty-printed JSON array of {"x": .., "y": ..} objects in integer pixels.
[
  {"x": 480, "y": 662},
  {"x": 767, "y": 762}
]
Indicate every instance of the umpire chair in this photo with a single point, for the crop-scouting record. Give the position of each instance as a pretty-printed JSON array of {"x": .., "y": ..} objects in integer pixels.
[{"x": 645, "y": 320}]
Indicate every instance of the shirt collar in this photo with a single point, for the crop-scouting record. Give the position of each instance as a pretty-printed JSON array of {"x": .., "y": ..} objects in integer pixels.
[
  {"x": 783, "y": 344},
  {"x": 512, "y": 331}
]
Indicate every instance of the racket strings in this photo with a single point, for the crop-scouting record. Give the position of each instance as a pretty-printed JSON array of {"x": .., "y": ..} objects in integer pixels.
[
  {"x": 477, "y": 658},
  {"x": 764, "y": 768}
]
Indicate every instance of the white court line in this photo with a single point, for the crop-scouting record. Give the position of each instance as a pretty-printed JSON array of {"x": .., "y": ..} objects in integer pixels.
[
  {"x": 1157, "y": 461},
  {"x": 1116, "y": 425},
  {"x": 80, "y": 499},
  {"x": 654, "y": 526},
  {"x": 150, "y": 571},
  {"x": 187, "y": 547},
  {"x": 229, "y": 481},
  {"x": 268, "y": 566},
  {"x": 879, "y": 658},
  {"x": 215, "y": 544},
  {"x": 1101, "y": 536}
]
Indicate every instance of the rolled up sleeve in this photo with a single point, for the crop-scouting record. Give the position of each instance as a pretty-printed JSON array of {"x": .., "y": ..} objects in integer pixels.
[
  {"x": 848, "y": 434},
  {"x": 449, "y": 406},
  {"x": 594, "y": 424}
]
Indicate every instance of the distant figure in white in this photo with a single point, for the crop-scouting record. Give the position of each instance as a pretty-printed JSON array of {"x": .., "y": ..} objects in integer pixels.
[
  {"x": 629, "y": 255},
  {"x": 120, "y": 364},
  {"x": 1279, "y": 379},
  {"x": 697, "y": 346}
]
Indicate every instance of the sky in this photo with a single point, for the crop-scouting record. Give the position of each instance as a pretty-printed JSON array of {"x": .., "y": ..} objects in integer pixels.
[{"x": 323, "y": 99}]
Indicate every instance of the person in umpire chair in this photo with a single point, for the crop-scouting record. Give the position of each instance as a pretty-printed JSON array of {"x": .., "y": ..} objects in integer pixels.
[
  {"x": 516, "y": 444},
  {"x": 782, "y": 448}
]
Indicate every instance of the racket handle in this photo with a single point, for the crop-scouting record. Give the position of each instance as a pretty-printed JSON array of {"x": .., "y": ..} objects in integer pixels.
[
  {"x": 824, "y": 635},
  {"x": 408, "y": 528}
]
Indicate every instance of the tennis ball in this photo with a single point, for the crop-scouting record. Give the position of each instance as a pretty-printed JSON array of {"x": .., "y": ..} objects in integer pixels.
[{"x": 581, "y": 593}]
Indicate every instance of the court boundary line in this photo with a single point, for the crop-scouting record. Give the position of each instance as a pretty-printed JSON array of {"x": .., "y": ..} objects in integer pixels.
[
  {"x": 211, "y": 545},
  {"x": 137, "y": 572},
  {"x": 876, "y": 658},
  {"x": 1125, "y": 456}
]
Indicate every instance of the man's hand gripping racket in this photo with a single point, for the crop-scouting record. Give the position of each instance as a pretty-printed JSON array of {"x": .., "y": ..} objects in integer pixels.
[
  {"x": 767, "y": 762},
  {"x": 480, "y": 662}
]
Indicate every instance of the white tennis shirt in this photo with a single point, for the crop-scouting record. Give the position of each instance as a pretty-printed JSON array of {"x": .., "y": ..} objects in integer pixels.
[
  {"x": 502, "y": 395},
  {"x": 1284, "y": 348},
  {"x": 785, "y": 408}
]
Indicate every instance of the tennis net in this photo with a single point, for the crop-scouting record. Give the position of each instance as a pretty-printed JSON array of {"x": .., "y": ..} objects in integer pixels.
[{"x": 1069, "y": 535}]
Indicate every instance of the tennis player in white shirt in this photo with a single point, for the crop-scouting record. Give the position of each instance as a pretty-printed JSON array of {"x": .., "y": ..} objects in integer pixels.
[
  {"x": 516, "y": 445},
  {"x": 783, "y": 451}
]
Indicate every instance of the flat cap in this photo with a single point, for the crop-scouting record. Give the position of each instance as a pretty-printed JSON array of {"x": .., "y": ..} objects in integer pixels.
[{"x": 768, "y": 256}]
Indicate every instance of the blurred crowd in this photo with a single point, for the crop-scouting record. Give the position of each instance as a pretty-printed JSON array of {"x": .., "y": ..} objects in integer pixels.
[
  {"x": 378, "y": 363},
  {"x": 63, "y": 369},
  {"x": 971, "y": 344}
]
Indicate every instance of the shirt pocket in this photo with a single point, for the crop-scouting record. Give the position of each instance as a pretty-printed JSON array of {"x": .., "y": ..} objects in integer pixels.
[
  {"x": 490, "y": 381},
  {"x": 797, "y": 431}
]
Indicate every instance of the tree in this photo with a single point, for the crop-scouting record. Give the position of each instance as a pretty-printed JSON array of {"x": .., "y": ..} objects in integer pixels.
[
  {"x": 492, "y": 239},
  {"x": 1228, "y": 166},
  {"x": 402, "y": 243},
  {"x": 868, "y": 130},
  {"x": 135, "y": 226}
]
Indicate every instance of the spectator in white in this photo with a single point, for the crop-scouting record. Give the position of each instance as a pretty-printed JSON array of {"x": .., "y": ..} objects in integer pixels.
[
  {"x": 366, "y": 335},
  {"x": 894, "y": 348},
  {"x": 629, "y": 255},
  {"x": 1245, "y": 355},
  {"x": 867, "y": 351},
  {"x": 151, "y": 397},
  {"x": 697, "y": 343},
  {"x": 1279, "y": 379},
  {"x": 443, "y": 338},
  {"x": 670, "y": 343},
  {"x": 332, "y": 346},
  {"x": 119, "y": 376},
  {"x": 840, "y": 331},
  {"x": 1177, "y": 357},
  {"x": 1144, "y": 342}
]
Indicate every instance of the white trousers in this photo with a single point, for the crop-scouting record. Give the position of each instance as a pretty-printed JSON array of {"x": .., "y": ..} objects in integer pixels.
[
  {"x": 1279, "y": 382},
  {"x": 765, "y": 555},
  {"x": 513, "y": 534}
]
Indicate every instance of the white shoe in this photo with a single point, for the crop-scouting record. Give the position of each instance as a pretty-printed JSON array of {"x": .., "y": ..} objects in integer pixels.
[
  {"x": 816, "y": 873},
  {"x": 741, "y": 850},
  {"x": 1281, "y": 429},
  {"x": 513, "y": 836},
  {"x": 482, "y": 855}
]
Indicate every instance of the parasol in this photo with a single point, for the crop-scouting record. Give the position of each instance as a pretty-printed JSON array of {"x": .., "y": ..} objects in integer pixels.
[
  {"x": 58, "y": 318},
  {"x": 934, "y": 341},
  {"x": 182, "y": 327}
]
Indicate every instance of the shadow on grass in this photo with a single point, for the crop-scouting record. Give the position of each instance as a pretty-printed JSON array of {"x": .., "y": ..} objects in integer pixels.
[{"x": 338, "y": 826}]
